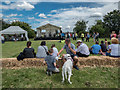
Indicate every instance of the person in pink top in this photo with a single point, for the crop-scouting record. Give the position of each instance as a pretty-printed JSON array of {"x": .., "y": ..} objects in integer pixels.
[{"x": 115, "y": 35}]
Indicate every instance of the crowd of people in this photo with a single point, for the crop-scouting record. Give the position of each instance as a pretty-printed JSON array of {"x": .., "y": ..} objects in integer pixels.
[
  {"x": 82, "y": 50},
  {"x": 14, "y": 37}
]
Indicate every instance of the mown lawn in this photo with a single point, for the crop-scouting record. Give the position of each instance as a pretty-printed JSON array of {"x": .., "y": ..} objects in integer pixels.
[
  {"x": 36, "y": 78},
  {"x": 12, "y": 49}
]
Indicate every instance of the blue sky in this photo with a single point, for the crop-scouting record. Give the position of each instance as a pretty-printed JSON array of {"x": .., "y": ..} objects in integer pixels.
[{"x": 63, "y": 14}]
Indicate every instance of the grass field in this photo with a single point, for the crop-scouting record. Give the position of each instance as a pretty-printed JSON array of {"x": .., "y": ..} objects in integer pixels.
[
  {"x": 36, "y": 77},
  {"x": 12, "y": 49}
]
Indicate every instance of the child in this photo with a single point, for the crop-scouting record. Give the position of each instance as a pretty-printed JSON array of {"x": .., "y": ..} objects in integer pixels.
[
  {"x": 51, "y": 63},
  {"x": 55, "y": 51},
  {"x": 109, "y": 45}
]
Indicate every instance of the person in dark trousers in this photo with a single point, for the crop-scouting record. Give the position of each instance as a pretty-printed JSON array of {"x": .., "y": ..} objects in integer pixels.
[
  {"x": 67, "y": 46},
  {"x": 87, "y": 37},
  {"x": 28, "y": 52},
  {"x": 103, "y": 47},
  {"x": 97, "y": 36},
  {"x": 82, "y": 36}
]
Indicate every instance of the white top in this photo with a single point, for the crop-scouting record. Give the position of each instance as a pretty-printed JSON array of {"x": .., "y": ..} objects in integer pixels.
[
  {"x": 22, "y": 36},
  {"x": 2, "y": 38},
  {"x": 83, "y": 48},
  {"x": 115, "y": 49},
  {"x": 55, "y": 51},
  {"x": 41, "y": 53},
  {"x": 109, "y": 46}
]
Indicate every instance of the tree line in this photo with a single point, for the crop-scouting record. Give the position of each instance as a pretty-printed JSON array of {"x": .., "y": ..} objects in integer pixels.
[{"x": 110, "y": 22}]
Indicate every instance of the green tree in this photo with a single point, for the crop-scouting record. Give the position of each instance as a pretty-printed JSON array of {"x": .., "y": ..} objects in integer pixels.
[
  {"x": 25, "y": 26},
  {"x": 3, "y": 25},
  {"x": 112, "y": 21},
  {"x": 80, "y": 26},
  {"x": 98, "y": 27}
]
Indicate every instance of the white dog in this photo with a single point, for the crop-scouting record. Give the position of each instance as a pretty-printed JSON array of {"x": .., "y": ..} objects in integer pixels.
[{"x": 67, "y": 67}]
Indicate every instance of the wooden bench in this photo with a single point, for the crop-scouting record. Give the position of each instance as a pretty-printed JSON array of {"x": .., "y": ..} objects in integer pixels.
[{"x": 91, "y": 61}]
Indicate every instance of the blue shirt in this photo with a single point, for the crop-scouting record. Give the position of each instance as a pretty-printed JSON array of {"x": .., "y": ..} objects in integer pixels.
[
  {"x": 96, "y": 48},
  {"x": 88, "y": 36},
  {"x": 68, "y": 50}
]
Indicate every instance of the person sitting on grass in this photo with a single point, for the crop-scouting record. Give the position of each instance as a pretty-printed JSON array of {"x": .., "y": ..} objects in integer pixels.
[
  {"x": 51, "y": 63},
  {"x": 82, "y": 49},
  {"x": 114, "y": 50},
  {"x": 66, "y": 46},
  {"x": 109, "y": 46},
  {"x": 96, "y": 49},
  {"x": 28, "y": 52},
  {"x": 103, "y": 47}
]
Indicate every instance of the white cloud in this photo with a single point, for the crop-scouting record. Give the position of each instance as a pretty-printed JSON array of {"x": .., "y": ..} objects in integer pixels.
[
  {"x": 96, "y": 14},
  {"x": 26, "y": 6},
  {"x": 35, "y": 1},
  {"x": 1, "y": 15},
  {"x": 20, "y": 15},
  {"x": 42, "y": 15},
  {"x": 36, "y": 13},
  {"x": 7, "y": 2},
  {"x": 31, "y": 18},
  {"x": 50, "y": 15},
  {"x": 13, "y": 15},
  {"x": 53, "y": 11},
  {"x": 18, "y": 6},
  {"x": 69, "y": 17}
]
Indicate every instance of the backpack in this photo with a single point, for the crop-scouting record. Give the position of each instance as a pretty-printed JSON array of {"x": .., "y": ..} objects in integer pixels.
[{"x": 20, "y": 56}]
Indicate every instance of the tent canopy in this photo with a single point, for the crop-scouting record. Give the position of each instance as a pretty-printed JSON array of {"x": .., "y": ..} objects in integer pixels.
[{"x": 14, "y": 30}]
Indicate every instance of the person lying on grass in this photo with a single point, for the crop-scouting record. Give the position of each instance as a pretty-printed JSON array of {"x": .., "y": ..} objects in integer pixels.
[
  {"x": 51, "y": 63},
  {"x": 96, "y": 49}
]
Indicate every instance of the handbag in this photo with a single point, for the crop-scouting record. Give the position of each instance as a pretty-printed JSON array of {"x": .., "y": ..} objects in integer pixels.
[
  {"x": 45, "y": 50},
  {"x": 20, "y": 56}
]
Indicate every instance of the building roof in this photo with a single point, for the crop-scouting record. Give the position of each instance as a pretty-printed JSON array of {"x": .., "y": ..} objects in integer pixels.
[{"x": 47, "y": 26}]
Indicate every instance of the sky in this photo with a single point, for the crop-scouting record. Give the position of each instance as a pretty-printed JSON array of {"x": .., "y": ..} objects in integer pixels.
[{"x": 62, "y": 13}]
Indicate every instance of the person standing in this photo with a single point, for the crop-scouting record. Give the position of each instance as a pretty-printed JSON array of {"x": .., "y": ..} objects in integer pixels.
[
  {"x": 82, "y": 36},
  {"x": 119, "y": 37},
  {"x": 94, "y": 36},
  {"x": 97, "y": 36},
  {"x": 73, "y": 36},
  {"x": 87, "y": 37},
  {"x": 22, "y": 37},
  {"x": 106, "y": 43},
  {"x": 2, "y": 39}
]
